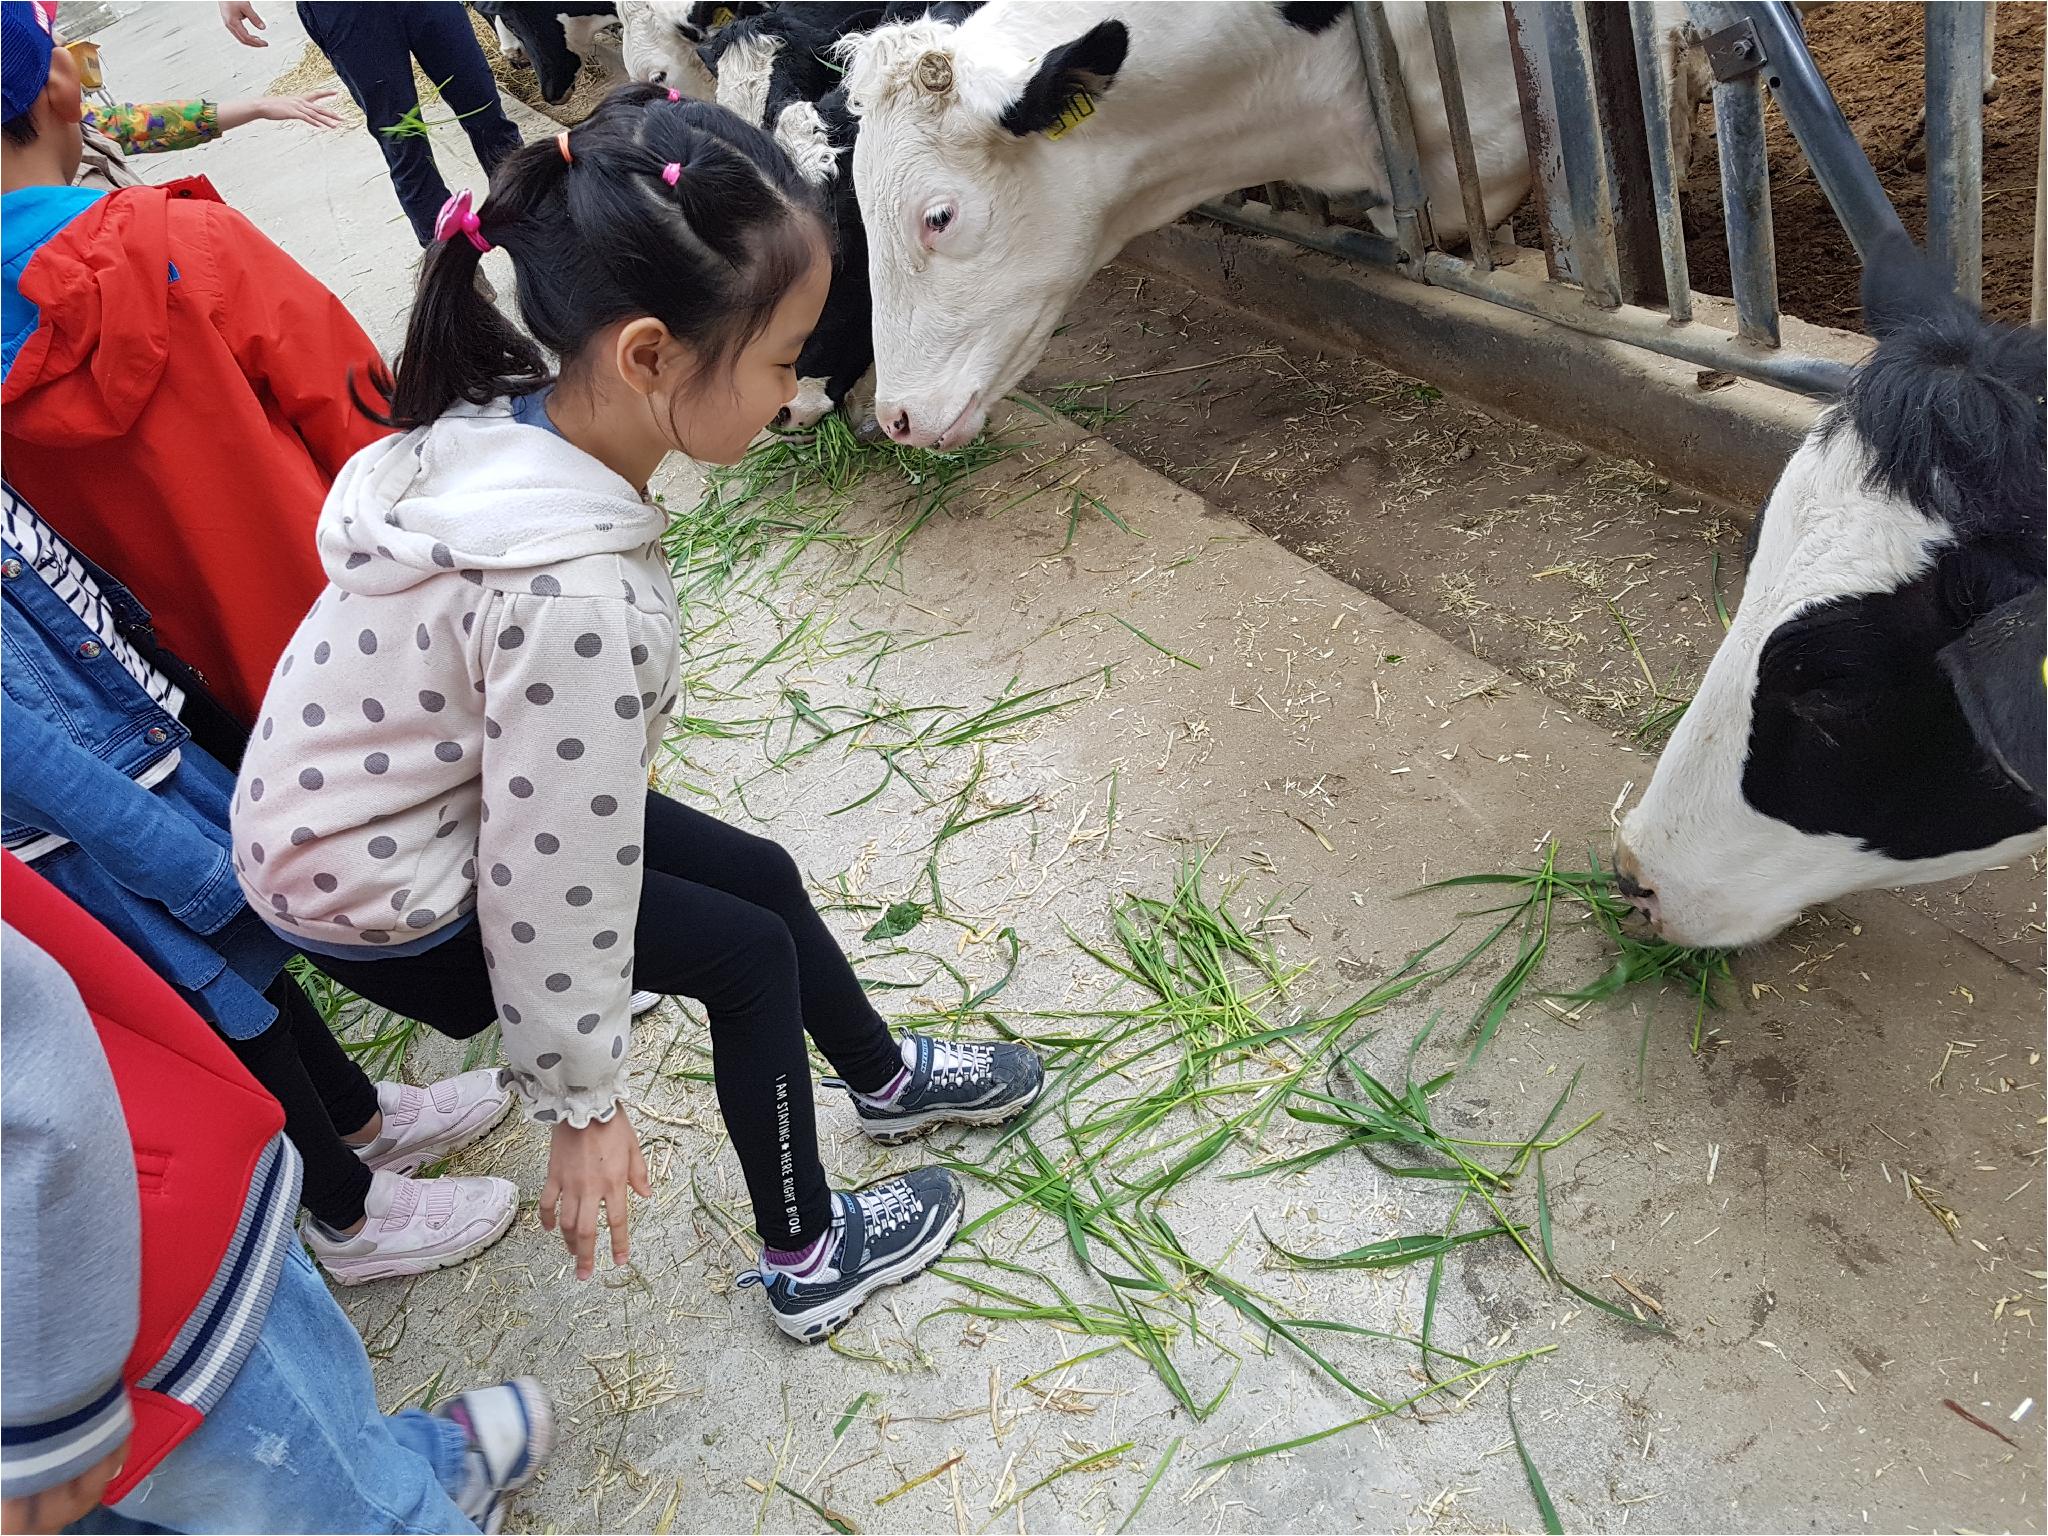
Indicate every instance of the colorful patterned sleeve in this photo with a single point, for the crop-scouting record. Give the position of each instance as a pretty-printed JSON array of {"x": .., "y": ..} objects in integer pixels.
[{"x": 149, "y": 127}]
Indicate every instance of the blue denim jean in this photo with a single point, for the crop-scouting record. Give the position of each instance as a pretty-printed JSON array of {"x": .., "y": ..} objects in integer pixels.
[{"x": 298, "y": 1443}]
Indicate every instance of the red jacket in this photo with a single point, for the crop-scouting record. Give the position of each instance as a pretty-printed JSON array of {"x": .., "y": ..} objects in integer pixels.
[
  {"x": 200, "y": 1126},
  {"x": 178, "y": 415}
]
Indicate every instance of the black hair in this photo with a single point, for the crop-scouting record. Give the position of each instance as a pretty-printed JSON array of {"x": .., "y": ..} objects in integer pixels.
[
  {"x": 1950, "y": 405},
  {"x": 20, "y": 129},
  {"x": 602, "y": 237}
]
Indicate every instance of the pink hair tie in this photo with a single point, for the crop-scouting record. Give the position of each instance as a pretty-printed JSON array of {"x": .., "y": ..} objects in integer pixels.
[
  {"x": 674, "y": 94},
  {"x": 672, "y": 172},
  {"x": 456, "y": 216}
]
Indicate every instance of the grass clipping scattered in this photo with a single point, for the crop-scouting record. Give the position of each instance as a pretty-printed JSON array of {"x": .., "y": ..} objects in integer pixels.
[{"x": 1533, "y": 916}]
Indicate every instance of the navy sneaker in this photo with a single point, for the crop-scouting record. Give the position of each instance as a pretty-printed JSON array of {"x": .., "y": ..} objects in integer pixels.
[
  {"x": 882, "y": 1235},
  {"x": 969, "y": 1082}
]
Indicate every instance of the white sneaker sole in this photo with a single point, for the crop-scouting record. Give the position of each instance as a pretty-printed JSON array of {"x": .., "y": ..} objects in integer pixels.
[
  {"x": 911, "y": 1126},
  {"x": 362, "y": 1271},
  {"x": 540, "y": 1444},
  {"x": 406, "y": 1164},
  {"x": 827, "y": 1318}
]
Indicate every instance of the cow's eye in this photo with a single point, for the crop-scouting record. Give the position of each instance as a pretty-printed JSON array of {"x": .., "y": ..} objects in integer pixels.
[{"x": 938, "y": 219}]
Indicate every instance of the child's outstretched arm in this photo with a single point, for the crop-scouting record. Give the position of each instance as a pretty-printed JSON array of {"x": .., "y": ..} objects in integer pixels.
[
  {"x": 568, "y": 684},
  {"x": 291, "y": 337}
]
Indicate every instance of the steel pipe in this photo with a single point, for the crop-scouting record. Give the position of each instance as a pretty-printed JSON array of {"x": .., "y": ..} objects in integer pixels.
[
  {"x": 1396, "y": 124},
  {"x": 1955, "y": 142},
  {"x": 1746, "y": 208},
  {"x": 1585, "y": 157},
  {"x": 1451, "y": 84},
  {"x": 1838, "y": 161},
  {"x": 1652, "y": 73},
  {"x": 1694, "y": 342}
]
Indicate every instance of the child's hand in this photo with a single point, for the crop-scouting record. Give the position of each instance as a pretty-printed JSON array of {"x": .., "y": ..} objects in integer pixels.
[
  {"x": 315, "y": 108},
  {"x": 586, "y": 1169},
  {"x": 55, "y": 1508}
]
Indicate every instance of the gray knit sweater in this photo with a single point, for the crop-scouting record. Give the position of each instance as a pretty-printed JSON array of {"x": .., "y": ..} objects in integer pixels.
[{"x": 463, "y": 724}]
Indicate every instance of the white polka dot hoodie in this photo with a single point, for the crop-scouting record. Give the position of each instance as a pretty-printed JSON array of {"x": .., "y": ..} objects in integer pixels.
[{"x": 461, "y": 729}]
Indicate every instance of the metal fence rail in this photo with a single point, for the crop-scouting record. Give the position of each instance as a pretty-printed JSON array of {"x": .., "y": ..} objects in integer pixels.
[{"x": 1597, "y": 108}]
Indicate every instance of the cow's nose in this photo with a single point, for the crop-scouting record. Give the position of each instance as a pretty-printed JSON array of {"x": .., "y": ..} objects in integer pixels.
[
  {"x": 1628, "y": 881},
  {"x": 895, "y": 421},
  {"x": 782, "y": 417}
]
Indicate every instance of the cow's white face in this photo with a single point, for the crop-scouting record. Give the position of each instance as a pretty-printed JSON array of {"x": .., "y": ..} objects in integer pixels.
[
  {"x": 976, "y": 250},
  {"x": 980, "y": 227},
  {"x": 658, "y": 44},
  {"x": 1830, "y": 748}
]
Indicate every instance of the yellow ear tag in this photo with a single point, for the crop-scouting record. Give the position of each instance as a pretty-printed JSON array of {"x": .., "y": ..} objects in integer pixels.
[
  {"x": 1078, "y": 108},
  {"x": 721, "y": 17}
]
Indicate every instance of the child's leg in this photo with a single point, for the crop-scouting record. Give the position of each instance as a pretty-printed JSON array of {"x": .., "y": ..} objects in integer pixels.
[
  {"x": 297, "y": 1443},
  {"x": 740, "y": 961},
  {"x": 695, "y": 847},
  {"x": 336, "y": 1180}
]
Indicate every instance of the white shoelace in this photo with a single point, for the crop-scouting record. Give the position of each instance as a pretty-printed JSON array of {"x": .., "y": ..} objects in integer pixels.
[
  {"x": 955, "y": 1065},
  {"x": 888, "y": 1206}
]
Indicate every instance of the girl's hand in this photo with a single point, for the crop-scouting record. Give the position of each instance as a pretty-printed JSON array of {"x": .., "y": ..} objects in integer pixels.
[
  {"x": 588, "y": 1168},
  {"x": 312, "y": 109}
]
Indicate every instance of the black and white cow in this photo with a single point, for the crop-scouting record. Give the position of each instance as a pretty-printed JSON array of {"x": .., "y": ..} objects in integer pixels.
[
  {"x": 659, "y": 41},
  {"x": 550, "y": 35},
  {"x": 1001, "y": 162},
  {"x": 778, "y": 69},
  {"x": 1877, "y": 714}
]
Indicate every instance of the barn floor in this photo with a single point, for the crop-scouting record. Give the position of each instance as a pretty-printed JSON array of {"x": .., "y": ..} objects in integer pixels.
[{"x": 1326, "y": 742}]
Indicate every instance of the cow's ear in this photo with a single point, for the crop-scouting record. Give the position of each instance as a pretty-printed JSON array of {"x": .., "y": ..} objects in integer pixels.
[
  {"x": 1999, "y": 667},
  {"x": 1068, "y": 75}
]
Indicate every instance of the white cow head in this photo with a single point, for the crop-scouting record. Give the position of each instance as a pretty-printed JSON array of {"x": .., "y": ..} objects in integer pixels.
[
  {"x": 658, "y": 41},
  {"x": 983, "y": 218},
  {"x": 1875, "y": 716}
]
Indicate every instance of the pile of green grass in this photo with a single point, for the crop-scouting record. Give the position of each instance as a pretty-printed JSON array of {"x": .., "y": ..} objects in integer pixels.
[
  {"x": 790, "y": 490},
  {"x": 1591, "y": 898}
]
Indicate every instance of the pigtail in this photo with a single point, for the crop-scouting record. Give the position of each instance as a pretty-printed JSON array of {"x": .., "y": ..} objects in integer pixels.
[{"x": 458, "y": 344}]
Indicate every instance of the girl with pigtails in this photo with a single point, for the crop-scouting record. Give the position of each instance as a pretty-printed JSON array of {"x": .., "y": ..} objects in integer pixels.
[{"x": 446, "y": 800}]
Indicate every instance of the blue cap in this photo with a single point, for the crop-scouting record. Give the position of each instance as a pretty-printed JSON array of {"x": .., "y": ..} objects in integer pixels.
[{"x": 25, "y": 45}]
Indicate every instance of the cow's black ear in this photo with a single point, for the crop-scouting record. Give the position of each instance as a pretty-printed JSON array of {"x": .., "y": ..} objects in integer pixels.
[
  {"x": 1086, "y": 65},
  {"x": 1999, "y": 667}
]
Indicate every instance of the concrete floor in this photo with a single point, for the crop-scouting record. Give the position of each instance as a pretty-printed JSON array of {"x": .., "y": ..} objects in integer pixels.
[{"x": 1334, "y": 754}]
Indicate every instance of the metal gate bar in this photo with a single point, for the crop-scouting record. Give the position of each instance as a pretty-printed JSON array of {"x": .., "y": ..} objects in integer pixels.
[
  {"x": 1477, "y": 232},
  {"x": 1753, "y": 45},
  {"x": 1702, "y": 345},
  {"x": 1585, "y": 157},
  {"x": 1664, "y": 167},
  {"x": 1955, "y": 143},
  {"x": 1839, "y": 166},
  {"x": 1412, "y": 231},
  {"x": 1746, "y": 207}
]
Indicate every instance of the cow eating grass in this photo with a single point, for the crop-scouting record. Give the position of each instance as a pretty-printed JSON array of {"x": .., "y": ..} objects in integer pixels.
[
  {"x": 1002, "y": 161},
  {"x": 776, "y": 70},
  {"x": 1876, "y": 715}
]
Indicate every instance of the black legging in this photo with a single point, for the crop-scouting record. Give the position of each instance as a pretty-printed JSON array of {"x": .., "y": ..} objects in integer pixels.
[
  {"x": 325, "y": 1096},
  {"x": 372, "y": 48},
  {"x": 723, "y": 919}
]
